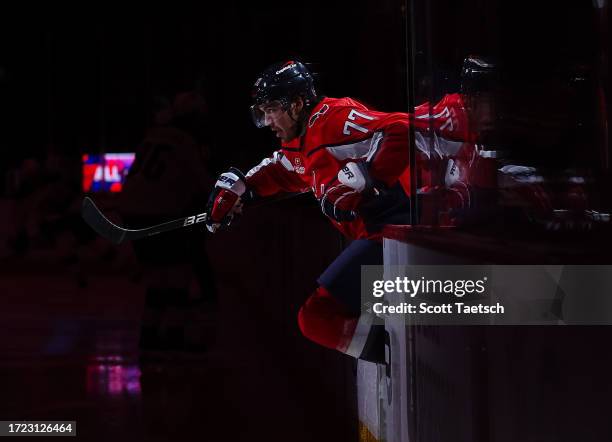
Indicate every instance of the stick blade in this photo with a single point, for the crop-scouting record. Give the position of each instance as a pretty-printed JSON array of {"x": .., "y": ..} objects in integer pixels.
[{"x": 99, "y": 223}]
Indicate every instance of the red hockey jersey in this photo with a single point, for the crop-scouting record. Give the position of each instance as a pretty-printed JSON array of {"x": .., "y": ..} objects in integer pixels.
[{"x": 338, "y": 130}]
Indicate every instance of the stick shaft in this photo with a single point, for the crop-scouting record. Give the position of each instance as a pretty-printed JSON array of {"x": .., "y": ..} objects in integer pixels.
[{"x": 117, "y": 234}]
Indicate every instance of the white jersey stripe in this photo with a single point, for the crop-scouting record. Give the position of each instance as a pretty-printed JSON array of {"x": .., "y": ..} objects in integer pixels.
[
  {"x": 276, "y": 157},
  {"x": 355, "y": 150},
  {"x": 378, "y": 136}
]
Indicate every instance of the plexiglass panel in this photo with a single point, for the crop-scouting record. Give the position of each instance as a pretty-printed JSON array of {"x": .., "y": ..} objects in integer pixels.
[{"x": 511, "y": 126}]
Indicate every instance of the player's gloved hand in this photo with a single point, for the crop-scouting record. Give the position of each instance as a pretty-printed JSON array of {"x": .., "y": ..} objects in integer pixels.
[
  {"x": 224, "y": 201},
  {"x": 343, "y": 197},
  {"x": 340, "y": 202}
]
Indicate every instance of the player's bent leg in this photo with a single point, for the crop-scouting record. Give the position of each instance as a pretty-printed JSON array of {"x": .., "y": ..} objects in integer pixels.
[
  {"x": 328, "y": 322},
  {"x": 332, "y": 316}
]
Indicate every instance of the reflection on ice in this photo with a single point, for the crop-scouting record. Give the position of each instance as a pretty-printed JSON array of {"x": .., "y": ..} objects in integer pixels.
[{"x": 112, "y": 376}]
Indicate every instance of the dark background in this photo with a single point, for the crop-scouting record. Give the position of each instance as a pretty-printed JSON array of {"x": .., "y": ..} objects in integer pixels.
[{"x": 89, "y": 84}]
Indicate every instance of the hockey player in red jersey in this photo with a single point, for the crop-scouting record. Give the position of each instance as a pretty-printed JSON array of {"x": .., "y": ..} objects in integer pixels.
[{"x": 354, "y": 160}]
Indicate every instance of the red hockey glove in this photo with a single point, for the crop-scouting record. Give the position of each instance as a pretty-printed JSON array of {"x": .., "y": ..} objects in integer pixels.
[
  {"x": 340, "y": 202},
  {"x": 224, "y": 201}
]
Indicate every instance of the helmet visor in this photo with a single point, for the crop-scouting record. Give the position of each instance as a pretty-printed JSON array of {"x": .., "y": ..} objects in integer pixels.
[{"x": 263, "y": 113}]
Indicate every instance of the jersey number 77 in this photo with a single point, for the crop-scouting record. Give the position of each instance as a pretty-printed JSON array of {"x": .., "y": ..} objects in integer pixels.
[{"x": 353, "y": 114}]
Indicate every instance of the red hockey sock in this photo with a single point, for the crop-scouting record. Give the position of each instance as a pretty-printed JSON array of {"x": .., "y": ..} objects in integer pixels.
[{"x": 326, "y": 321}]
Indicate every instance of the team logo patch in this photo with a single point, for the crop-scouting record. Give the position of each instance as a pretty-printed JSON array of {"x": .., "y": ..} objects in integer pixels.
[
  {"x": 321, "y": 111},
  {"x": 299, "y": 168}
]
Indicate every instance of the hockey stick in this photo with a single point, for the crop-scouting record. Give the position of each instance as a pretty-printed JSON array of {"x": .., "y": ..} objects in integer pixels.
[{"x": 117, "y": 234}]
